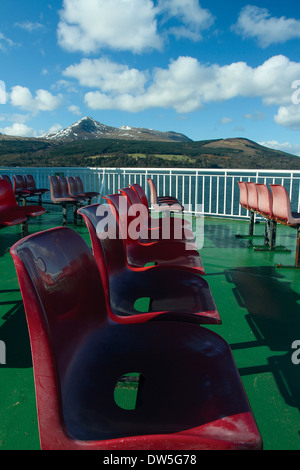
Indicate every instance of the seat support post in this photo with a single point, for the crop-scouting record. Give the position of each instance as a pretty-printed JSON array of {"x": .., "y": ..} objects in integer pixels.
[
  {"x": 268, "y": 235},
  {"x": 25, "y": 228},
  {"x": 273, "y": 228},
  {"x": 251, "y": 224},
  {"x": 75, "y": 213},
  {"x": 65, "y": 214}
]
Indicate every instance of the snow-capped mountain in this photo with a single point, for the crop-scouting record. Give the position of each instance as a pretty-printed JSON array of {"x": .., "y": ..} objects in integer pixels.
[{"x": 88, "y": 128}]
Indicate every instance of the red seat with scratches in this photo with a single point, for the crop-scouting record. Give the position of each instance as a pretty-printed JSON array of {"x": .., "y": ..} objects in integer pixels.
[{"x": 190, "y": 395}]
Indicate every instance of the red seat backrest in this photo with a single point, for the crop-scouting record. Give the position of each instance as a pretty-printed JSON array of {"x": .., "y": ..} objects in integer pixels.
[
  {"x": 29, "y": 182},
  {"x": 55, "y": 187},
  {"x": 107, "y": 245},
  {"x": 64, "y": 186},
  {"x": 6, "y": 178},
  {"x": 61, "y": 289},
  {"x": 281, "y": 202},
  {"x": 80, "y": 184},
  {"x": 7, "y": 195},
  {"x": 19, "y": 183},
  {"x": 243, "y": 193},
  {"x": 72, "y": 186},
  {"x": 153, "y": 191},
  {"x": 141, "y": 193},
  {"x": 264, "y": 199},
  {"x": 252, "y": 196}
]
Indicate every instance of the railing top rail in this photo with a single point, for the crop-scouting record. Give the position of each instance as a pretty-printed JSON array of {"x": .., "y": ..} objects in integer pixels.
[{"x": 150, "y": 170}]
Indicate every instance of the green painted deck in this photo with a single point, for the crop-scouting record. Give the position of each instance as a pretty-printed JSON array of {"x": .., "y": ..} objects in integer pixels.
[{"x": 259, "y": 306}]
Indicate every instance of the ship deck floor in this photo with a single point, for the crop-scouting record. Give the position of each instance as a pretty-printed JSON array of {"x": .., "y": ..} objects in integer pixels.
[{"x": 259, "y": 306}]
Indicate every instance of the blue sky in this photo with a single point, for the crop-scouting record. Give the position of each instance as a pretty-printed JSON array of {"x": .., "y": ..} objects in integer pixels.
[{"x": 207, "y": 69}]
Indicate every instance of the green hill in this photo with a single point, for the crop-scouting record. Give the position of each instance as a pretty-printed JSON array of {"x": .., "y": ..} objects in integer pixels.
[{"x": 220, "y": 153}]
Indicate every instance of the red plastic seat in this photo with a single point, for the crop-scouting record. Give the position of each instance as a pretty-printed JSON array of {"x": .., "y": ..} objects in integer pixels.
[
  {"x": 243, "y": 198},
  {"x": 171, "y": 293},
  {"x": 191, "y": 394},
  {"x": 141, "y": 234},
  {"x": 175, "y": 253},
  {"x": 90, "y": 194},
  {"x": 65, "y": 190},
  {"x": 282, "y": 213},
  {"x": 282, "y": 210},
  {"x": 31, "y": 187},
  {"x": 252, "y": 197},
  {"x": 163, "y": 203},
  {"x": 144, "y": 200},
  {"x": 59, "y": 196},
  {"x": 248, "y": 200},
  {"x": 171, "y": 228},
  {"x": 7, "y": 178},
  {"x": 73, "y": 189},
  {"x": 11, "y": 213},
  {"x": 19, "y": 187},
  {"x": 141, "y": 193},
  {"x": 265, "y": 203}
]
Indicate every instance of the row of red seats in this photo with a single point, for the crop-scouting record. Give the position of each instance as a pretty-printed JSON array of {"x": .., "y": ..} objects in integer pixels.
[
  {"x": 24, "y": 187},
  {"x": 273, "y": 204},
  {"x": 86, "y": 333},
  {"x": 11, "y": 213},
  {"x": 67, "y": 191}
]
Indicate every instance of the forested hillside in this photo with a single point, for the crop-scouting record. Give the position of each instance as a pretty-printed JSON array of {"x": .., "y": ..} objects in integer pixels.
[{"x": 228, "y": 153}]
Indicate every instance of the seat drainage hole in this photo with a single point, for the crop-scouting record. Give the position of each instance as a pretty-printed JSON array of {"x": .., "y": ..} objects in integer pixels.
[
  {"x": 128, "y": 391},
  {"x": 142, "y": 304}
]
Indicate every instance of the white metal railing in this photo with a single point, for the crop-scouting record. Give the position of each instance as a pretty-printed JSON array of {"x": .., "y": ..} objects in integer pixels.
[{"x": 214, "y": 191}]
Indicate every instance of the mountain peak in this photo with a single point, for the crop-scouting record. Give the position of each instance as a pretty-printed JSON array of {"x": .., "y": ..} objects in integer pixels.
[{"x": 89, "y": 128}]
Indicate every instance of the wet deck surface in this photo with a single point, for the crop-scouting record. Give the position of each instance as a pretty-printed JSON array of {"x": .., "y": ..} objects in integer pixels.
[{"x": 259, "y": 306}]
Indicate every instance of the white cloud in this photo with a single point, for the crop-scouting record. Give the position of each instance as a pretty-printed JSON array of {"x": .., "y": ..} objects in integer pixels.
[
  {"x": 75, "y": 110},
  {"x": 187, "y": 85},
  {"x": 19, "y": 129},
  {"x": 256, "y": 116},
  {"x": 29, "y": 26},
  {"x": 43, "y": 101},
  {"x": 108, "y": 76},
  {"x": 5, "y": 42},
  {"x": 195, "y": 19},
  {"x": 255, "y": 22},
  {"x": 117, "y": 24},
  {"x": 134, "y": 25},
  {"x": 288, "y": 116},
  {"x": 225, "y": 120},
  {"x": 282, "y": 146}
]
